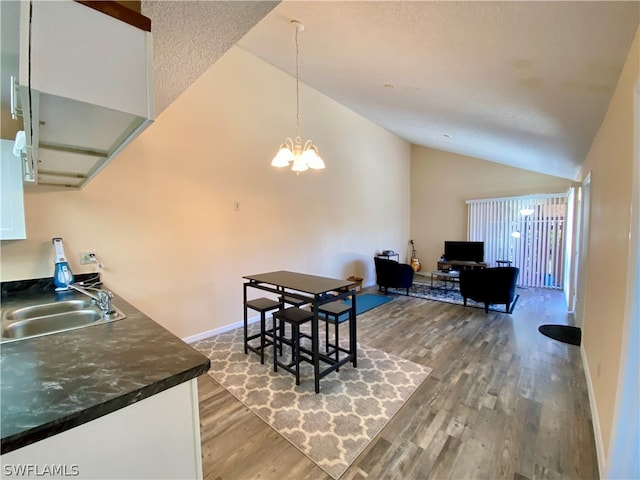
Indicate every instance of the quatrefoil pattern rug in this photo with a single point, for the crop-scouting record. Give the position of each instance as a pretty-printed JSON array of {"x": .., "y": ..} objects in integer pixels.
[{"x": 333, "y": 427}]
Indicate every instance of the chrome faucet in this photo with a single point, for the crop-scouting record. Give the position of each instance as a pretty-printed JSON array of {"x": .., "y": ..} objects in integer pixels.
[{"x": 102, "y": 298}]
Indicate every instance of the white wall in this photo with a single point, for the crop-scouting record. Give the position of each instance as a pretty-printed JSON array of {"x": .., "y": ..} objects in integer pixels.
[
  {"x": 161, "y": 215},
  {"x": 605, "y": 323},
  {"x": 441, "y": 182}
]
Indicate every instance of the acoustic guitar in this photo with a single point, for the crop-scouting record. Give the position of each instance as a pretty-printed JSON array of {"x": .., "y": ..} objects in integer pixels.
[{"x": 415, "y": 263}]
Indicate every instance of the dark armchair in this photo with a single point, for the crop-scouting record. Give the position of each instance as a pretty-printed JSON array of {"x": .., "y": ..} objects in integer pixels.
[
  {"x": 490, "y": 285},
  {"x": 393, "y": 274}
]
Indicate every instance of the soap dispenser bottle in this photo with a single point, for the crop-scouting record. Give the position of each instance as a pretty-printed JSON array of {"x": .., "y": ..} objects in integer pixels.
[{"x": 62, "y": 276}]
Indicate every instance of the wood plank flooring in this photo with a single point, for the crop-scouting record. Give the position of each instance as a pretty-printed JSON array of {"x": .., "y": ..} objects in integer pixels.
[{"x": 502, "y": 402}]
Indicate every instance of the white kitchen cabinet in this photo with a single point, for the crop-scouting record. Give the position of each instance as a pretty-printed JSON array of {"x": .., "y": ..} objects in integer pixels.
[
  {"x": 158, "y": 437},
  {"x": 12, "y": 226},
  {"x": 82, "y": 54},
  {"x": 85, "y": 88}
]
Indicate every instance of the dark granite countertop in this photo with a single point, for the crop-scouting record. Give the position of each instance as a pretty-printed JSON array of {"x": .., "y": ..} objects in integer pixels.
[{"x": 55, "y": 382}]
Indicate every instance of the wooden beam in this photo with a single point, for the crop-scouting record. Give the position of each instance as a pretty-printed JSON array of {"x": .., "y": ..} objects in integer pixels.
[{"x": 121, "y": 12}]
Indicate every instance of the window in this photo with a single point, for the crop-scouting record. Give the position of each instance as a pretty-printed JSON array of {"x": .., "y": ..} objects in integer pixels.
[{"x": 528, "y": 231}]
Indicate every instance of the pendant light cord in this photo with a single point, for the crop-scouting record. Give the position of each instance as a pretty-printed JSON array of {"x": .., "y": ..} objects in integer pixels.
[
  {"x": 303, "y": 156},
  {"x": 297, "y": 85}
]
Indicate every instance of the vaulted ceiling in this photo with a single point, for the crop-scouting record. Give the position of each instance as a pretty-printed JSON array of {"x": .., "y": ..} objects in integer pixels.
[
  {"x": 189, "y": 36},
  {"x": 521, "y": 83}
]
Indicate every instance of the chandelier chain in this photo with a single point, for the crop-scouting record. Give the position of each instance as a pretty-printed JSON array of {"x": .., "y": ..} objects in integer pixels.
[{"x": 297, "y": 86}]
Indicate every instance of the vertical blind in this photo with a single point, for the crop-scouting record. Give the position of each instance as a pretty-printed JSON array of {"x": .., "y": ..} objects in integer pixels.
[{"x": 527, "y": 231}]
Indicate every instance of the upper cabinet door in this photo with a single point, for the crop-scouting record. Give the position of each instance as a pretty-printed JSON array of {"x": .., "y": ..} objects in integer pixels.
[
  {"x": 86, "y": 89},
  {"x": 12, "y": 226},
  {"x": 85, "y": 55}
]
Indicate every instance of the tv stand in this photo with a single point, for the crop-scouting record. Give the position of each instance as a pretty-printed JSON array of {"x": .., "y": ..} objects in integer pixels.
[{"x": 460, "y": 265}]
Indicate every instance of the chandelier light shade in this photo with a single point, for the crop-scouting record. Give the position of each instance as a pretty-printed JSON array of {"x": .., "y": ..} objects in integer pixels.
[{"x": 302, "y": 157}]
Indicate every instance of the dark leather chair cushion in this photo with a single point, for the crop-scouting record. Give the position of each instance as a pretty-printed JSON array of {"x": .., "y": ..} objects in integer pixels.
[
  {"x": 393, "y": 274},
  {"x": 490, "y": 285}
]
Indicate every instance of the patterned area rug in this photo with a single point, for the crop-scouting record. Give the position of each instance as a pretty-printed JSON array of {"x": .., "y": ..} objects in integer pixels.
[
  {"x": 333, "y": 427},
  {"x": 446, "y": 293}
]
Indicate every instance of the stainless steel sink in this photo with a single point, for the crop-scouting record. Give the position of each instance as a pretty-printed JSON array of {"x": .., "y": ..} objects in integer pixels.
[
  {"x": 44, "y": 310},
  {"x": 48, "y": 318}
]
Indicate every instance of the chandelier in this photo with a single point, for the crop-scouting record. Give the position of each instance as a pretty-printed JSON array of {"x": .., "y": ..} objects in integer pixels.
[{"x": 293, "y": 151}]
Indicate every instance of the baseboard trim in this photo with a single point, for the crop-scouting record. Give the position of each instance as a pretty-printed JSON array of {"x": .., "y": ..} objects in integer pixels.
[
  {"x": 597, "y": 432},
  {"x": 217, "y": 331}
]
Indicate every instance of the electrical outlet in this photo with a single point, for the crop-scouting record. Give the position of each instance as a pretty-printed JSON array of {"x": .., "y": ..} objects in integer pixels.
[
  {"x": 236, "y": 206},
  {"x": 88, "y": 257}
]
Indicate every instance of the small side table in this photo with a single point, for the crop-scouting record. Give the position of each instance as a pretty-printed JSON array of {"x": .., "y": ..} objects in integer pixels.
[
  {"x": 504, "y": 263},
  {"x": 452, "y": 276},
  {"x": 357, "y": 281}
]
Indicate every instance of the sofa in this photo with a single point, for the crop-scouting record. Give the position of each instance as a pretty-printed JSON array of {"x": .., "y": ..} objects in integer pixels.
[
  {"x": 390, "y": 273},
  {"x": 490, "y": 285}
]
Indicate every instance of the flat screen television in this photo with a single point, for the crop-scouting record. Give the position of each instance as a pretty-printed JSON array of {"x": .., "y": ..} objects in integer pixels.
[{"x": 464, "y": 251}]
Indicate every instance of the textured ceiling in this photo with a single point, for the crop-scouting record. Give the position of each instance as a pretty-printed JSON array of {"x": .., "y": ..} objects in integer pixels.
[
  {"x": 521, "y": 83},
  {"x": 189, "y": 36}
]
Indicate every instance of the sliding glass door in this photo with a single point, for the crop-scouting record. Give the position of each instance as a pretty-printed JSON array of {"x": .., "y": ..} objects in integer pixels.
[{"x": 527, "y": 231}]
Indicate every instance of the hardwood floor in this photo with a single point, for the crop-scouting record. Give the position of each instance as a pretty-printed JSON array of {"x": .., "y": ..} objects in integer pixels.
[{"x": 503, "y": 401}]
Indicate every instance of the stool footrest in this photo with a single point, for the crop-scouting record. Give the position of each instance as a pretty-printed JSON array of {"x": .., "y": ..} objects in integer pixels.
[
  {"x": 267, "y": 333},
  {"x": 258, "y": 349}
]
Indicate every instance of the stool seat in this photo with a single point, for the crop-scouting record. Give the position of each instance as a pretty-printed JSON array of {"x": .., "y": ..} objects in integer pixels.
[
  {"x": 335, "y": 308},
  {"x": 295, "y": 317},
  {"x": 262, "y": 305}
]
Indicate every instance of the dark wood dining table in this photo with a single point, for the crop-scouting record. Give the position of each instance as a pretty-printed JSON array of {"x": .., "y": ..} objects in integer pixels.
[{"x": 318, "y": 291}]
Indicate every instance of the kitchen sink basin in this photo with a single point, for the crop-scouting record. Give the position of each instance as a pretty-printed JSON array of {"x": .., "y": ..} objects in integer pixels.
[
  {"x": 44, "y": 310},
  {"x": 48, "y": 318}
]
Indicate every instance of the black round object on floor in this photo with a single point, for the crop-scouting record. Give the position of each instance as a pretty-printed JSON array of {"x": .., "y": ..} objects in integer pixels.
[{"x": 562, "y": 333}]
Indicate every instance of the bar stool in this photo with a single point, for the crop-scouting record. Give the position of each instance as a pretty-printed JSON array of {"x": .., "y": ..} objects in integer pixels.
[
  {"x": 295, "y": 317},
  {"x": 262, "y": 305},
  {"x": 332, "y": 313}
]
